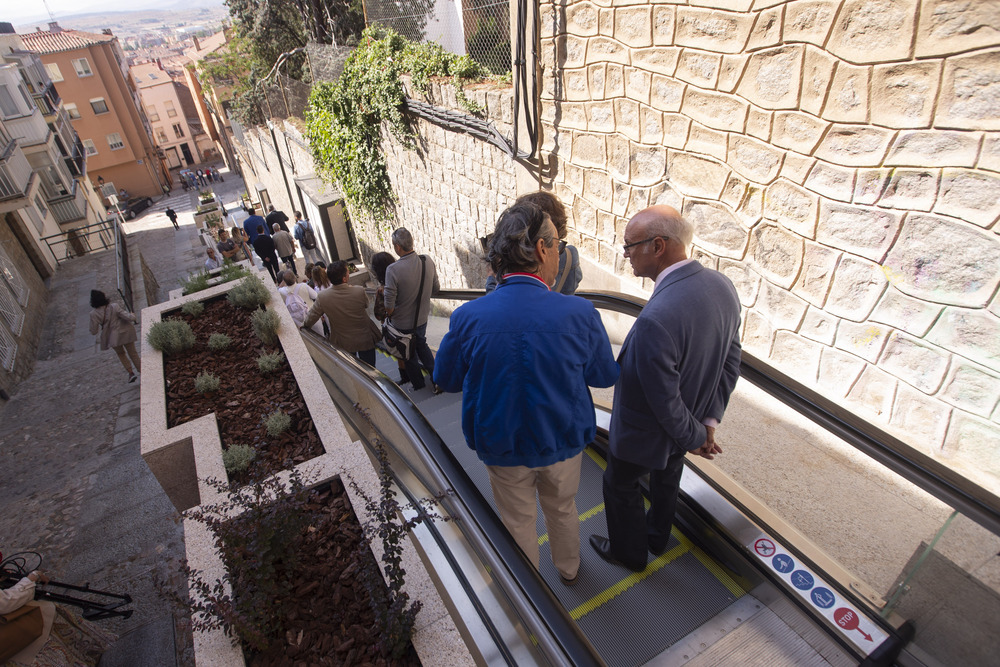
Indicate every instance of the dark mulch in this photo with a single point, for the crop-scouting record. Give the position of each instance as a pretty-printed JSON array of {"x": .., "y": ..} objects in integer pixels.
[
  {"x": 245, "y": 397},
  {"x": 332, "y": 622}
]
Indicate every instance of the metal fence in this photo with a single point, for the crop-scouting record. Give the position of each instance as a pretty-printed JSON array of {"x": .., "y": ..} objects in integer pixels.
[{"x": 479, "y": 28}]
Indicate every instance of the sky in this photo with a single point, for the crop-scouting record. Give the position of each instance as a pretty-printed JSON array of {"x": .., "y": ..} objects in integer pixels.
[{"x": 33, "y": 11}]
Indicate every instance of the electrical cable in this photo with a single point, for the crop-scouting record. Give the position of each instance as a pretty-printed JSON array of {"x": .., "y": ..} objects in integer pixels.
[{"x": 15, "y": 565}]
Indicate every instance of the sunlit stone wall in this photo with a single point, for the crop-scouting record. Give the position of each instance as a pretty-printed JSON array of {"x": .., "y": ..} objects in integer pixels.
[{"x": 839, "y": 160}]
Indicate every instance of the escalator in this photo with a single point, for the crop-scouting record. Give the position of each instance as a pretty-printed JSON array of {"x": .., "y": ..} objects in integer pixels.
[{"x": 736, "y": 585}]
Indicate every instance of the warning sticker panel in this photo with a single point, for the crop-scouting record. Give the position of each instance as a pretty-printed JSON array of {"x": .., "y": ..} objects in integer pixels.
[{"x": 856, "y": 627}]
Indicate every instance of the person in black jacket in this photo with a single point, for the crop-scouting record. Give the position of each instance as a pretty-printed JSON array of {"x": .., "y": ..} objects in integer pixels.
[
  {"x": 276, "y": 218},
  {"x": 263, "y": 245}
]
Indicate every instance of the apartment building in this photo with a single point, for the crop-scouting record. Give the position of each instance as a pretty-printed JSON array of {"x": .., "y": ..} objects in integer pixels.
[
  {"x": 212, "y": 101},
  {"x": 92, "y": 76},
  {"x": 45, "y": 197},
  {"x": 173, "y": 118}
]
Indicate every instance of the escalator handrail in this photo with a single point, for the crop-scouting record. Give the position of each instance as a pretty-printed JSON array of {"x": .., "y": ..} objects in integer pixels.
[
  {"x": 930, "y": 475},
  {"x": 511, "y": 570}
]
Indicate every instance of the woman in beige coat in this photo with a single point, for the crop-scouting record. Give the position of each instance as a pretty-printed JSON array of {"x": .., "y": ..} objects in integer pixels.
[{"x": 117, "y": 330}]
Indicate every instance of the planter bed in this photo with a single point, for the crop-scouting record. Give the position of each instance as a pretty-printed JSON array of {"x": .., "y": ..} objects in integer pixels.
[{"x": 245, "y": 396}]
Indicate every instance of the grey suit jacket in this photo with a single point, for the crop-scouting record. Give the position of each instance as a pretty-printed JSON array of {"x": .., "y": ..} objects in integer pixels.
[{"x": 679, "y": 365}]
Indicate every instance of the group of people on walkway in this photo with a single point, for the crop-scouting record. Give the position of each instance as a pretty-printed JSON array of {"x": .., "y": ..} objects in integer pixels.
[
  {"x": 272, "y": 242},
  {"x": 525, "y": 355},
  {"x": 193, "y": 179}
]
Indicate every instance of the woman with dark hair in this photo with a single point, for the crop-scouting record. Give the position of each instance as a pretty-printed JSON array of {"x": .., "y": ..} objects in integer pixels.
[
  {"x": 240, "y": 238},
  {"x": 115, "y": 328}
]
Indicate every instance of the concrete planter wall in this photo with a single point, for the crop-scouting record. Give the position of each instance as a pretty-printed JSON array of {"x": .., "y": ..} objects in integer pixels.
[{"x": 183, "y": 457}]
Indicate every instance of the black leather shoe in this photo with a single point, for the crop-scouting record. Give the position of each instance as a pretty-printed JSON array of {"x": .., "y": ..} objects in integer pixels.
[
  {"x": 657, "y": 552},
  {"x": 602, "y": 546}
]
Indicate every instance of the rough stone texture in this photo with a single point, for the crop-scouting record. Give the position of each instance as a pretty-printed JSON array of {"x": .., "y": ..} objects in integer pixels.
[
  {"x": 707, "y": 141},
  {"x": 794, "y": 354},
  {"x": 776, "y": 253},
  {"x": 696, "y": 176},
  {"x": 871, "y": 31},
  {"x": 857, "y": 287},
  {"x": 854, "y": 145},
  {"x": 793, "y": 207},
  {"x": 974, "y": 334},
  {"x": 865, "y": 339},
  {"x": 917, "y": 364},
  {"x": 910, "y": 189},
  {"x": 933, "y": 148},
  {"x": 864, "y": 231},
  {"x": 722, "y": 112},
  {"x": 918, "y": 420},
  {"x": 974, "y": 440},
  {"x": 931, "y": 260},
  {"x": 716, "y": 228},
  {"x": 970, "y": 92},
  {"x": 970, "y": 195},
  {"x": 746, "y": 281},
  {"x": 818, "y": 264},
  {"x": 906, "y": 313},
  {"x": 972, "y": 388},
  {"x": 772, "y": 78},
  {"x": 698, "y": 67},
  {"x": 798, "y": 131},
  {"x": 809, "y": 21},
  {"x": 819, "y": 326},
  {"x": 874, "y": 392},
  {"x": 947, "y": 27},
  {"x": 838, "y": 371},
  {"x": 754, "y": 159},
  {"x": 633, "y": 26},
  {"x": 903, "y": 94},
  {"x": 723, "y": 32},
  {"x": 847, "y": 99}
]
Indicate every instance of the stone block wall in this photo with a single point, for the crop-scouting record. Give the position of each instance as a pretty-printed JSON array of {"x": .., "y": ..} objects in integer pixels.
[
  {"x": 840, "y": 160},
  {"x": 450, "y": 190}
]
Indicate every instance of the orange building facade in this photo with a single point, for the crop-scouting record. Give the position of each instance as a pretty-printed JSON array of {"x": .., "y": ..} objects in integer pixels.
[{"x": 91, "y": 74}]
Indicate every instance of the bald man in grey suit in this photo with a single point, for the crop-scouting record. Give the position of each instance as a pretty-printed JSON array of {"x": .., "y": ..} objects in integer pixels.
[{"x": 679, "y": 365}]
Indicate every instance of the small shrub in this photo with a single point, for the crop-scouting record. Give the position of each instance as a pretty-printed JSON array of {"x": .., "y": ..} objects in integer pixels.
[
  {"x": 258, "y": 550},
  {"x": 237, "y": 458},
  {"x": 193, "y": 308},
  {"x": 266, "y": 324},
  {"x": 269, "y": 363},
  {"x": 171, "y": 336},
  {"x": 250, "y": 293},
  {"x": 206, "y": 383},
  {"x": 218, "y": 341},
  {"x": 195, "y": 282},
  {"x": 231, "y": 271},
  {"x": 277, "y": 423}
]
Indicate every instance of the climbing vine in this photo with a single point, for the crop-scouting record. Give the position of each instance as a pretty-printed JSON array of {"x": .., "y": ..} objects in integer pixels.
[{"x": 345, "y": 119}]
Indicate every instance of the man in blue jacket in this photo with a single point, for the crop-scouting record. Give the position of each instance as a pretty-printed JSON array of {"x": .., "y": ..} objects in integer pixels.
[{"x": 525, "y": 356}]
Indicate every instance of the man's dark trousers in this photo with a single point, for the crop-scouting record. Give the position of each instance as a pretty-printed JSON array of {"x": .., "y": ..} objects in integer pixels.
[
  {"x": 422, "y": 351},
  {"x": 631, "y": 530}
]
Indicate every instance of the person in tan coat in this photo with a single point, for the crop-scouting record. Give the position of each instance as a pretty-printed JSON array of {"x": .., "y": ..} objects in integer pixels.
[
  {"x": 346, "y": 307},
  {"x": 116, "y": 329}
]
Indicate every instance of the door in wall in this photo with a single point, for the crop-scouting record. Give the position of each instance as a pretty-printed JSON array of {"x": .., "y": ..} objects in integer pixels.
[{"x": 188, "y": 158}]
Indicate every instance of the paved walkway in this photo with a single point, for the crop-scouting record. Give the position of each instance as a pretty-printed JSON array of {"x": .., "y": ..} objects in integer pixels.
[{"x": 75, "y": 488}]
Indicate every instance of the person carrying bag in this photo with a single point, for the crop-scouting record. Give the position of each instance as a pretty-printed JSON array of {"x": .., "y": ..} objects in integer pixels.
[{"x": 400, "y": 344}]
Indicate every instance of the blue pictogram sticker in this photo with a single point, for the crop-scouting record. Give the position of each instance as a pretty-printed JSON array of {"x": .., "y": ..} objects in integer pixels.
[
  {"x": 783, "y": 563},
  {"x": 823, "y": 597},
  {"x": 802, "y": 580}
]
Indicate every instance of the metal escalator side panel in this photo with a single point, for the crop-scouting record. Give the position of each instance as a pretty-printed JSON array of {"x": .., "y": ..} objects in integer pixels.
[{"x": 504, "y": 585}]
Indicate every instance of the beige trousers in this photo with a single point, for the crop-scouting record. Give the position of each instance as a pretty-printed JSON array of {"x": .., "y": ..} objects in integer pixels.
[
  {"x": 514, "y": 492},
  {"x": 129, "y": 348}
]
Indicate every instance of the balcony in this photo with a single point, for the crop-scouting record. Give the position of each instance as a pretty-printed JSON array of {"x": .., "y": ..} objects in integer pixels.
[
  {"x": 15, "y": 173},
  {"x": 77, "y": 161},
  {"x": 31, "y": 129},
  {"x": 68, "y": 208},
  {"x": 47, "y": 100}
]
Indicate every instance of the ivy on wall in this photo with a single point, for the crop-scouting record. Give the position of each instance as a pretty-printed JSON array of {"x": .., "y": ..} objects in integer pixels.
[{"x": 345, "y": 119}]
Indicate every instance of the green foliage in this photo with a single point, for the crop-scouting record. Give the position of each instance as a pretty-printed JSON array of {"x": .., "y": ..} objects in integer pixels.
[
  {"x": 206, "y": 383},
  {"x": 195, "y": 282},
  {"x": 344, "y": 120},
  {"x": 170, "y": 336},
  {"x": 266, "y": 324},
  {"x": 218, "y": 342},
  {"x": 238, "y": 458},
  {"x": 232, "y": 271},
  {"x": 269, "y": 363},
  {"x": 250, "y": 293},
  {"x": 277, "y": 423},
  {"x": 193, "y": 308},
  {"x": 258, "y": 550}
]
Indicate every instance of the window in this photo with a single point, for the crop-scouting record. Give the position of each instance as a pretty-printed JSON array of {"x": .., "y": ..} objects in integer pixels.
[
  {"x": 53, "y": 71},
  {"x": 71, "y": 109},
  {"x": 89, "y": 146},
  {"x": 171, "y": 112},
  {"x": 115, "y": 141},
  {"x": 151, "y": 114},
  {"x": 8, "y": 107},
  {"x": 99, "y": 105},
  {"x": 161, "y": 136},
  {"x": 82, "y": 67},
  {"x": 40, "y": 205},
  {"x": 178, "y": 131}
]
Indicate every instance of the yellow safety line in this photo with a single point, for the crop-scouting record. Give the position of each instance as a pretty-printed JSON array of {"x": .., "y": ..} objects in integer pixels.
[
  {"x": 628, "y": 582},
  {"x": 542, "y": 539}
]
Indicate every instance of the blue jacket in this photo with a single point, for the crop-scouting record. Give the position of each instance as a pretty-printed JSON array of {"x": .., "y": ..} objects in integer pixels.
[
  {"x": 250, "y": 225},
  {"x": 524, "y": 357}
]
